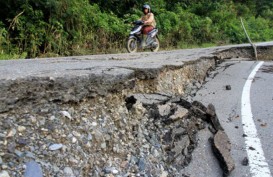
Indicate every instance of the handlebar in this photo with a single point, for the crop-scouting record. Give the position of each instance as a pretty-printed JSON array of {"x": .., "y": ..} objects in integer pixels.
[{"x": 138, "y": 22}]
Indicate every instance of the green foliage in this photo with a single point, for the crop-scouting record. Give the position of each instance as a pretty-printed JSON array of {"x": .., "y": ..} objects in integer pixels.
[
  {"x": 259, "y": 29},
  {"x": 3, "y": 37},
  {"x": 36, "y": 28}
]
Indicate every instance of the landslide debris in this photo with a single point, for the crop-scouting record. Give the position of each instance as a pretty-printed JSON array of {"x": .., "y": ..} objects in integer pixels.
[{"x": 145, "y": 135}]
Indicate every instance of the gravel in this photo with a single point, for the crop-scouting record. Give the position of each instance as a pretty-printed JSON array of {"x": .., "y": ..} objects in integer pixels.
[{"x": 153, "y": 137}]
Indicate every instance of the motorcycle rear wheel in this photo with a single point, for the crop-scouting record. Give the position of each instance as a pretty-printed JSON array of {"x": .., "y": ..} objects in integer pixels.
[
  {"x": 158, "y": 45},
  {"x": 132, "y": 45}
]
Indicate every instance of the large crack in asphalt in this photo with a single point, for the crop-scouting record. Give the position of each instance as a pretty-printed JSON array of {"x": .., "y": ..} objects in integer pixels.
[{"x": 139, "y": 122}]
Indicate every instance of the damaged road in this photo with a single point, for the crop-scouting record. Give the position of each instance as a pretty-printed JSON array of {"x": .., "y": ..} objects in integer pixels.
[
  {"x": 126, "y": 115},
  {"x": 228, "y": 107}
]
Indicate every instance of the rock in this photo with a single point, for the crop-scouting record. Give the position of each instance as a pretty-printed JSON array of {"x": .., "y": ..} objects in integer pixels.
[
  {"x": 33, "y": 169},
  {"x": 180, "y": 145},
  {"x": 98, "y": 136},
  {"x": 89, "y": 137},
  {"x": 94, "y": 124},
  {"x": 179, "y": 113},
  {"x": 221, "y": 147},
  {"x": 165, "y": 109},
  {"x": 2, "y": 135},
  {"x": 199, "y": 110},
  {"x": 22, "y": 141},
  {"x": 76, "y": 134},
  {"x": 138, "y": 109},
  {"x": 11, "y": 133},
  {"x": 4, "y": 174},
  {"x": 103, "y": 145},
  {"x": 198, "y": 85},
  {"x": 33, "y": 119},
  {"x": 124, "y": 164},
  {"x": 74, "y": 161},
  {"x": 19, "y": 153},
  {"x": 21, "y": 128},
  {"x": 109, "y": 170},
  {"x": 55, "y": 168},
  {"x": 199, "y": 105},
  {"x": 245, "y": 162},
  {"x": 164, "y": 174},
  {"x": 114, "y": 171},
  {"x": 141, "y": 164},
  {"x": 177, "y": 132},
  {"x": 228, "y": 87},
  {"x": 1, "y": 161},
  {"x": 30, "y": 155},
  {"x": 66, "y": 114},
  {"x": 74, "y": 140},
  {"x": 11, "y": 147},
  {"x": 212, "y": 117},
  {"x": 133, "y": 160},
  {"x": 55, "y": 147},
  {"x": 68, "y": 172},
  {"x": 4, "y": 167}
]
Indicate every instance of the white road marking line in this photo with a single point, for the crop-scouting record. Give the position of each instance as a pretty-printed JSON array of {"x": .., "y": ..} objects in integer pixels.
[{"x": 257, "y": 161}]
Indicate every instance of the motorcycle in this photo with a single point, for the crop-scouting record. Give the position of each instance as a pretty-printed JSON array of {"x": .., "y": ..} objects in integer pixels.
[{"x": 137, "y": 40}]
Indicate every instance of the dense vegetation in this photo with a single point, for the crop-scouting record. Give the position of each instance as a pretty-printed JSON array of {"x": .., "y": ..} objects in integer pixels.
[{"x": 42, "y": 28}]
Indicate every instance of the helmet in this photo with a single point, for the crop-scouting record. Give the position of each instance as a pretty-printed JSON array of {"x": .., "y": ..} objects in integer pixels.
[{"x": 146, "y": 6}]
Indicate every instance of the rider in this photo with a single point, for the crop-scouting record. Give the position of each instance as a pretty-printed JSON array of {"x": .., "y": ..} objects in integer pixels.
[{"x": 148, "y": 18}]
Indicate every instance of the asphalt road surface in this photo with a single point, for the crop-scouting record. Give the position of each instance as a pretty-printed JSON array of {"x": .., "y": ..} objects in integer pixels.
[{"x": 245, "y": 112}]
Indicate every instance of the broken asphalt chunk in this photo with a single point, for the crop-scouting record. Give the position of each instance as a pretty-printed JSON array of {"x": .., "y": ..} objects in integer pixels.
[
  {"x": 212, "y": 117},
  {"x": 221, "y": 147}
]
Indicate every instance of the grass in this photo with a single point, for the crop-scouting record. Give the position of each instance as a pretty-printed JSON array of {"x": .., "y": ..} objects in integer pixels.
[{"x": 4, "y": 56}]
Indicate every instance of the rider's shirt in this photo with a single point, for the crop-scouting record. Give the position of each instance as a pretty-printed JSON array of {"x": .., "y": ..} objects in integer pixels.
[{"x": 150, "y": 17}]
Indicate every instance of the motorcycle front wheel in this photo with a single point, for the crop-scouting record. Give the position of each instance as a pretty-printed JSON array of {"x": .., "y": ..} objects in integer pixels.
[{"x": 132, "y": 45}]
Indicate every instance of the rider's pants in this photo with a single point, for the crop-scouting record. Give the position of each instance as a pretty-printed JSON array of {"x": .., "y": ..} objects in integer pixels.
[{"x": 147, "y": 29}]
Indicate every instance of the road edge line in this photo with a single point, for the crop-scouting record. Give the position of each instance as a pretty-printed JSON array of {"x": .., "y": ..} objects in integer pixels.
[{"x": 257, "y": 162}]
